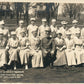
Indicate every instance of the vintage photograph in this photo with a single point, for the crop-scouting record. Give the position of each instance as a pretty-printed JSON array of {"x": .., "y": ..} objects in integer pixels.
[{"x": 41, "y": 42}]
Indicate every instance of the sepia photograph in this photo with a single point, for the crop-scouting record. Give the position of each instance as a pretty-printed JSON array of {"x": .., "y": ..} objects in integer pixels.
[{"x": 41, "y": 42}]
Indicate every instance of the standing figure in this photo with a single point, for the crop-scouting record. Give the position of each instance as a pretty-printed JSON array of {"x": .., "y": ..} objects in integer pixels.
[
  {"x": 42, "y": 28},
  {"x": 70, "y": 54},
  {"x": 78, "y": 47},
  {"x": 4, "y": 30},
  {"x": 3, "y": 52},
  {"x": 53, "y": 28},
  {"x": 20, "y": 28},
  {"x": 12, "y": 46},
  {"x": 37, "y": 58},
  {"x": 74, "y": 28},
  {"x": 60, "y": 47},
  {"x": 63, "y": 29},
  {"x": 24, "y": 49},
  {"x": 31, "y": 27},
  {"x": 48, "y": 48}
]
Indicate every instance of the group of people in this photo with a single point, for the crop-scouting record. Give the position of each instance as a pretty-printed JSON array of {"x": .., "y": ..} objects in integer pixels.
[{"x": 46, "y": 45}]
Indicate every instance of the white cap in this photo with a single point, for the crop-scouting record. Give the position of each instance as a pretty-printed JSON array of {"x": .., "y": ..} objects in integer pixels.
[
  {"x": 53, "y": 20},
  {"x": 59, "y": 32},
  {"x": 2, "y": 22},
  {"x": 13, "y": 33},
  {"x": 64, "y": 22},
  {"x": 74, "y": 21},
  {"x": 44, "y": 20},
  {"x": 32, "y": 19},
  {"x": 68, "y": 33},
  {"x": 21, "y": 21}
]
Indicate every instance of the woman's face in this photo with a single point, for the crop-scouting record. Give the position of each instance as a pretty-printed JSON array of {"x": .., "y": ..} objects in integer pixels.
[
  {"x": 69, "y": 36},
  {"x": 53, "y": 23},
  {"x": 13, "y": 36},
  {"x": 21, "y": 24},
  {"x": 59, "y": 35}
]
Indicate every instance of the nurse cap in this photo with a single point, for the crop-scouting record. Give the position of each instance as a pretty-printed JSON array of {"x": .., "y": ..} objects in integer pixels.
[
  {"x": 64, "y": 22},
  {"x": 2, "y": 22},
  {"x": 32, "y": 19},
  {"x": 68, "y": 33},
  {"x": 44, "y": 20},
  {"x": 13, "y": 33},
  {"x": 53, "y": 20},
  {"x": 74, "y": 21},
  {"x": 21, "y": 21}
]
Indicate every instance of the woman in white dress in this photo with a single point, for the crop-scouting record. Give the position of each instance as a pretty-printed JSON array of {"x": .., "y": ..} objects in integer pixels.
[
  {"x": 24, "y": 49},
  {"x": 60, "y": 47},
  {"x": 70, "y": 50},
  {"x": 12, "y": 46},
  {"x": 37, "y": 59},
  {"x": 78, "y": 47}
]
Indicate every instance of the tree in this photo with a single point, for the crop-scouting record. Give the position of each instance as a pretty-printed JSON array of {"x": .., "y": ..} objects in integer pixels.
[{"x": 73, "y": 10}]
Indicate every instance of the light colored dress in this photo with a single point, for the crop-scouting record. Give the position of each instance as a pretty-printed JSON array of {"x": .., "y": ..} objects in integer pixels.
[
  {"x": 73, "y": 31},
  {"x": 78, "y": 50},
  {"x": 3, "y": 52},
  {"x": 18, "y": 32},
  {"x": 13, "y": 50},
  {"x": 41, "y": 31},
  {"x": 37, "y": 59},
  {"x": 60, "y": 56},
  {"x": 30, "y": 29},
  {"x": 53, "y": 30},
  {"x": 63, "y": 31},
  {"x": 82, "y": 56},
  {"x": 24, "y": 50},
  {"x": 70, "y": 54}
]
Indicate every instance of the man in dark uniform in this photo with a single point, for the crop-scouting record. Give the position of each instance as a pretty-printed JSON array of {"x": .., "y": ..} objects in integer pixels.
[{"x": 48, "y": 48}]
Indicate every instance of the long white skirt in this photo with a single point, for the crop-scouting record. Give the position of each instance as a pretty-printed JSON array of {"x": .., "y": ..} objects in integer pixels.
[
  {"x": 78, "y": 55},
  {"x": 37, "y": 59},
  {"x": 71, "y": 60},
  {"x": 13, "y": 55},
  {"x": 82, "y": 56},
  {"x": 24, "y": 56},
  {"x": 3, "y": 59}
]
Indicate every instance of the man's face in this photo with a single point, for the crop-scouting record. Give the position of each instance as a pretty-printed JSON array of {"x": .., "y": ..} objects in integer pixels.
[{"x": 2, "y": 26}]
